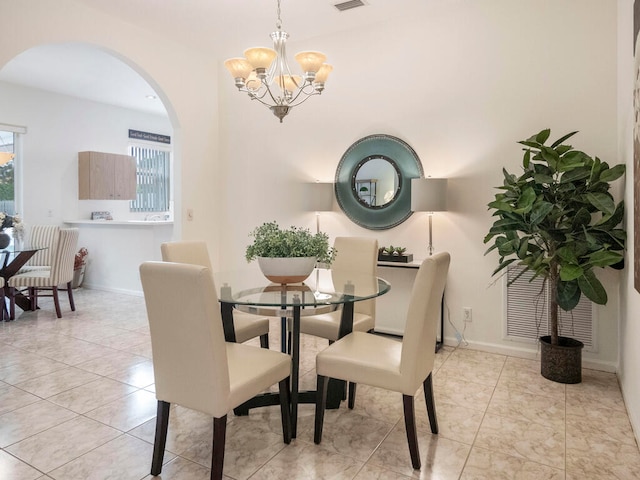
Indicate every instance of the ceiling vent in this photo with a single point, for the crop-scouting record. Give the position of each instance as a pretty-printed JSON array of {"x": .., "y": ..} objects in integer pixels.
[{"x": 349, "y": 4}]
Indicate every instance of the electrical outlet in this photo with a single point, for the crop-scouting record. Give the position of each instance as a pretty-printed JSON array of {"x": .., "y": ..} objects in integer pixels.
[{"x": 466, "y": 314}]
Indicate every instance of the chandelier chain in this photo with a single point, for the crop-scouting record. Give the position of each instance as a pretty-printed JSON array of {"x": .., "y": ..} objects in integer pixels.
[{"x": 279, "y": 21}]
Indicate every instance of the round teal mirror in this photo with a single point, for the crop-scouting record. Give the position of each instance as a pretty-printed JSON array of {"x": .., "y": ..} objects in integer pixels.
[{"x": 373, "y": 181}]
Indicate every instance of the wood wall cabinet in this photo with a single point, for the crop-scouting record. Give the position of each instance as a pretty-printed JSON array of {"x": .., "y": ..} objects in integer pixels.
[{"x": 106, "y": 176}]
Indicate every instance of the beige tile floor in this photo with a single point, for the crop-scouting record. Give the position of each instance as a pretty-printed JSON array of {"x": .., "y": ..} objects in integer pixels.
[{"x": 77, "y": 402}]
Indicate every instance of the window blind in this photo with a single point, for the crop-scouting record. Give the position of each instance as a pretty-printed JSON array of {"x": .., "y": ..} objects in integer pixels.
[{"x": 526, "y": 311}]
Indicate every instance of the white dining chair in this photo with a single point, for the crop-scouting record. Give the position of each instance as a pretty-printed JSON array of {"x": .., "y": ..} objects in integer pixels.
[
  {"x": 246, "y": 325},
  {"x": 193, "y": 365},
  {"x": 390, "y": 364},
  {"x": 358, "y": 255}
]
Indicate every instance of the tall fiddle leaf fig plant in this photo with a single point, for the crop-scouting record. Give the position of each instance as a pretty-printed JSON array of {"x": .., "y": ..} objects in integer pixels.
[{"x": 558, "y": 220}]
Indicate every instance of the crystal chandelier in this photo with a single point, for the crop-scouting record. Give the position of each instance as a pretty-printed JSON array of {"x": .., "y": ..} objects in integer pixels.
[{"x": 264, "y": 75}]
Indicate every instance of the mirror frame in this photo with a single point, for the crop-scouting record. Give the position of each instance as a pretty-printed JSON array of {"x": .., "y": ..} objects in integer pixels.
[{"x": 406, "y": 162}]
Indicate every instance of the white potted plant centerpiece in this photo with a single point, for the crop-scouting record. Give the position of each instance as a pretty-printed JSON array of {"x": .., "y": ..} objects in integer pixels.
[{"x": 288, "y": 255}]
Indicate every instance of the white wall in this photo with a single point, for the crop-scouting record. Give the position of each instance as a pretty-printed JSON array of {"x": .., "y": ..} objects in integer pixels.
[
  {"x": 630, "y": 304},
  {"x": 462, "y": 82}
]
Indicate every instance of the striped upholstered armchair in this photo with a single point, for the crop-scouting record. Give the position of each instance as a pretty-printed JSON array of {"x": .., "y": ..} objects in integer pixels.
[{"x": 60, "y": 273}]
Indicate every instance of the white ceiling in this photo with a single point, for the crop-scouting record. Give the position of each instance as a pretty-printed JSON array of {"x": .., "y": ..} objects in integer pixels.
[{"x": 222, "y": 27}]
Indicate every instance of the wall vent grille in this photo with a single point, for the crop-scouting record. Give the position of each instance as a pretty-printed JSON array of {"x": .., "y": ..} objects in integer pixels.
[
  {"x": 342, "y": 6},
  {"x": 527, "y": 311}
]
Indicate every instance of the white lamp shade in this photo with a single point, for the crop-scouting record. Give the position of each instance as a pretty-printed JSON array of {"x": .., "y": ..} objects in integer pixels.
[
  {"x": 319, "y": 197},
  {"x": 428, "y": 194}
]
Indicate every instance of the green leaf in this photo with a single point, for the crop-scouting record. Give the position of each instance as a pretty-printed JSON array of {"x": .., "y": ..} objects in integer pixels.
[
  {"x": 530, "y": 143},
  {"x": 570, "y": 176},
  {"x": 543, "y": 179},
  {"x": 602, "y": 201},
  {"x": 612, "y": 174},
  {"x": 570, "y": 272},
  {"x": 567, "y": 254},
  {"x": 543, "y": 136},
  {"x": 526, "y": 159},
  {"x": 592, "y": 288},
  {"x": 580, "y": 218},
  {"x": 550, "y": 156},
  {"x": 526, "y": 199},
  {"x": 604, "y": 258},
  {"x": 562, "y": 139},
  {"x": 568, "y": 295},
  {"x": 504, "y": 264},
  {"x": 608, "y": 222},
  {"x": 540, "y": 212}
]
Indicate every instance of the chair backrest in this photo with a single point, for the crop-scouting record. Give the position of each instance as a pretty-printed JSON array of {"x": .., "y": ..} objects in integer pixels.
[
  {"x": 191, "y": 252},
  {"x": 189, "y": 351},
  {"x": 358, "y": 255},
  {"x": 423, "y": 316},
  {"x": 64, "y": 255},
  {"x": 43, "y": 236}
]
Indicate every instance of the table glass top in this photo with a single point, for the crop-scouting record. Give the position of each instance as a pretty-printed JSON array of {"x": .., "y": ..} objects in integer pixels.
[{"x": 323, "y": 287}]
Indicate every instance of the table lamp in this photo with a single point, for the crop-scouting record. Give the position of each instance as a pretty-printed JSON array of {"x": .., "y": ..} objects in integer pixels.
[
  {"x": 319, "y": 199},
  {"x": 429, "y": 195}
]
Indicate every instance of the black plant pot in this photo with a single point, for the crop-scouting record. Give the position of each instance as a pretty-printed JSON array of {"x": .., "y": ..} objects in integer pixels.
[{"x": 561, "y": 363}]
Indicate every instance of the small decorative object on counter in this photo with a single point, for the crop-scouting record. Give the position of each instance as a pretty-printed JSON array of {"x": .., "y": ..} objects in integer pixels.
[
  {"x": 101, "y": 216},
  {"x": 79, "y": 266},
  {"x": 394, "y": 254}
]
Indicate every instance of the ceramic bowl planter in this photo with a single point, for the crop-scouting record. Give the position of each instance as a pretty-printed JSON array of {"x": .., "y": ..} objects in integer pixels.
[{"x": 287, "y": 270}]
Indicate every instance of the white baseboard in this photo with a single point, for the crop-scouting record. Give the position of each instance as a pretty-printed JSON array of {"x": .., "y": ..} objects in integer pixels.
[
  {"x": 525, "y": 351},
  {"x": 102, "y": 288}
]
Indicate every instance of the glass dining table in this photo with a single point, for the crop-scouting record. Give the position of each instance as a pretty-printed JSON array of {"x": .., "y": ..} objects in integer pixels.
[
  {"x": 324, "y": 290},
  {"x": 11, "y": 263}
]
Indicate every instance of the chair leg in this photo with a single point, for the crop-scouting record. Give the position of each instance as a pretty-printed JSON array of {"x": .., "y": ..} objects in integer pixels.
[
  {"x": 162, "y": 423},
  {"x": 56, "y": 301},
  {"x": 70, "y": 293},
  {"x": 12, "y": 303},
  {"x": 321, "y": 403},
  {"x": 410, "y": 426},
  {"x": 219, "y": 439},
  {"x": 352, "y": 394},
  {"x": 285, "y": 413},
  {"x": 264, "y": 341},
  {"x": 431, "y": 406}
]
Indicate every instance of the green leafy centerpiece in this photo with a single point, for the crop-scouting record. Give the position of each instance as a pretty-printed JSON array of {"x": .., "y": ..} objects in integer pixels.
[
  {"x": 558, "y": 220},
  {"x": 288, "y": 255}
]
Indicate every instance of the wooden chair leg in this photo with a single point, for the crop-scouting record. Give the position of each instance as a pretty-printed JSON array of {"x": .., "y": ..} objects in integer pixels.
[
  {"x": 285, "y": 413},
  {"x": 162, "y": 423},
  {"x": 264, "y": 341},
  {"x": 70, "y": 293},
  {"x": 219, "y": 439},
  {"x": 56, "y": 301},
  {"x": 427, "y": 386},
  {"x": 352, "y": 394},
  {"x": 321, "y": 403},
  {"x": 410, "y": 426},
  {"x": 12, "y": 303}
]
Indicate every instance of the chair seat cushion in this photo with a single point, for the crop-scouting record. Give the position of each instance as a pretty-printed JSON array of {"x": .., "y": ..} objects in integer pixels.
[
  {"x": 253, "y": 370},
  {"x": 35, "y": 278},
  {"x": 366, "y": 358},
  {"x": 34, "y": 268},
  {"x": 327, "y": 325},
  {"x": 248, "y": 326}
]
